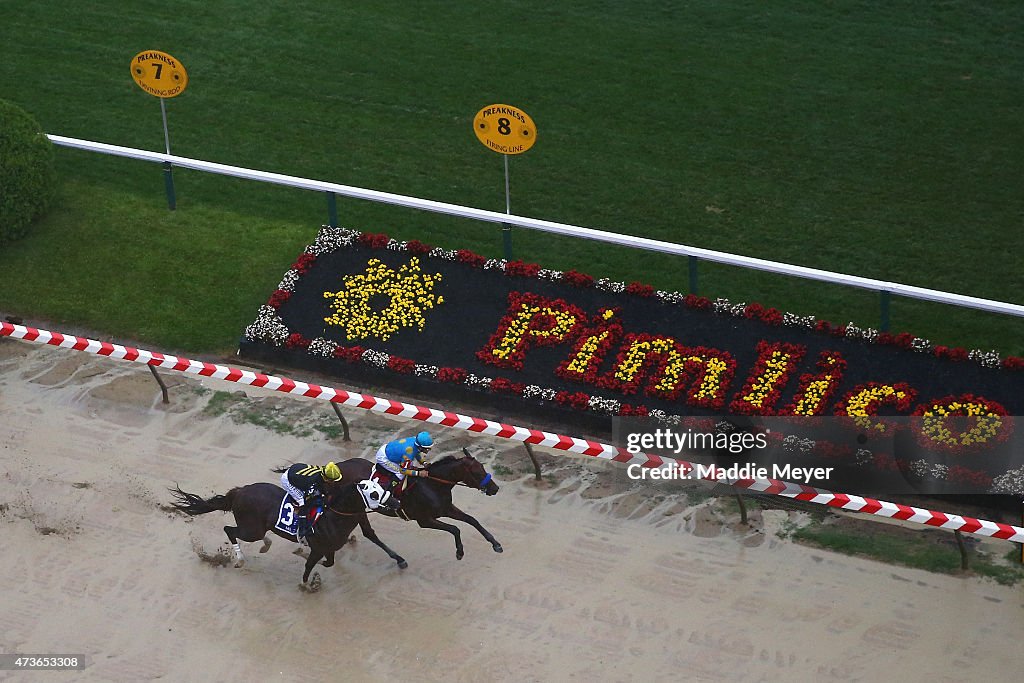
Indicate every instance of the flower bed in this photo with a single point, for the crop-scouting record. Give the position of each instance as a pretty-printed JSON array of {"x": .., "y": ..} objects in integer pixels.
[{"x": 567, "y": 340}]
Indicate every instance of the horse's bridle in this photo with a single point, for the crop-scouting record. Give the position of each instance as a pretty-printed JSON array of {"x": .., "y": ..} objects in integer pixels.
[{"x": 481, "y": 486}]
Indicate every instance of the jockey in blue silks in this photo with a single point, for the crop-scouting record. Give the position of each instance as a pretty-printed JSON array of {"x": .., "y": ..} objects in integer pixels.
[{"x": 398, "y": 459}]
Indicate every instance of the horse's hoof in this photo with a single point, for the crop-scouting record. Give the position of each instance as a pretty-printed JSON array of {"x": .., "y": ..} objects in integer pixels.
[
  {"x": 328, "y": 564},
  {"x": 402, "y": 564},
  {"x": 313, "y": 585},
  {"x": 497, "y": 548},
  {"x": 266, "y": 547},
  {"x": 239, "y": 564},
  {"x": 459, "y": 555}
]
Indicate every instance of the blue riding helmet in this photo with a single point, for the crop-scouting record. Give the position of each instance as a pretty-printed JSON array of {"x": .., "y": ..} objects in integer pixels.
[{"x": 423, "y": 442}]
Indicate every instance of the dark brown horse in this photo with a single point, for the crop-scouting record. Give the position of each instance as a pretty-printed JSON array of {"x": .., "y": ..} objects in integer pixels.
[
  {"x": 431, "y": 497},
  {"x": 257, "y": 509}
]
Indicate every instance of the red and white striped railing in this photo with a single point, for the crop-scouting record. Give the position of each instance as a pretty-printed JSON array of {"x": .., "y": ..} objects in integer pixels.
[{"x": 536, "y": 437}]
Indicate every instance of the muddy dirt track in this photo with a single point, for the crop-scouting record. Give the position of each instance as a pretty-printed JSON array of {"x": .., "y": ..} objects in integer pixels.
[{"x": 599, "y": 581}]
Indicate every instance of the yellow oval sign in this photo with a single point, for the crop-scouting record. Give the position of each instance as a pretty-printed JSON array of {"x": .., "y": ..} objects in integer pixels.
[
  {"x": 159, "y": 74},
  {"x": 505, "y": 129}
]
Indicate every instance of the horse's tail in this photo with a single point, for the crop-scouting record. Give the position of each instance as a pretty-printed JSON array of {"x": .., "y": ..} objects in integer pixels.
[
  {"x": 280, "y": 470},
  {"x": 191, "y": 504}
]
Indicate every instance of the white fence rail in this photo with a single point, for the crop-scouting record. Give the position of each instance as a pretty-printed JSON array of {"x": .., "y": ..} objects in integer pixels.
[{"x": 885, "y": 288}]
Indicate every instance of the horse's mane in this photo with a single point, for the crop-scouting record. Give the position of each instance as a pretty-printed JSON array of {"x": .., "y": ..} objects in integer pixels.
[{"x": 446, "y": 460}]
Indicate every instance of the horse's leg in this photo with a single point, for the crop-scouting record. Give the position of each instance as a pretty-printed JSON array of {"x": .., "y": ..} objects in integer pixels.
[
  {"x": 450, "y": 528},
  {"x": 369, "y": 533},
  {"x": 314, "y": 557},
  {"x": 329, "y": 559},
  {"x": 266, "y": 543},
  {"x": 232, "y": 533},
  {"x": 457, "y": 514}
]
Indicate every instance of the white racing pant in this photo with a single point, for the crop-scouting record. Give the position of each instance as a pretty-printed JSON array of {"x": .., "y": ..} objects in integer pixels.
[
  {"x": 299, "y": 497},
  {"x": 384, "y": 463}
]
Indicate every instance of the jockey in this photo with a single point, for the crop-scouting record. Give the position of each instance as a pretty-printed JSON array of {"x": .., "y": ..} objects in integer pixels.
[
  {"x": 307, "y": 484},
  {"x": 398, "y": 457}
]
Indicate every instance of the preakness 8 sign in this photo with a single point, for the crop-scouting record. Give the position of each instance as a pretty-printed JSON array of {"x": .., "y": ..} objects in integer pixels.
[
  {"x": 159, "y": 74},
  {"x": 505, "y": 129}
]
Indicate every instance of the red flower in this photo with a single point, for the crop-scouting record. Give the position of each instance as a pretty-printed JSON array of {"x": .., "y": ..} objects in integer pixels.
[
  {"x": 304, "y": 263},
  {"x": 640, "y": 289},
  {"x": 577, "y": 279},
  {"x": 823, "y": 326},
  {"x": 456, "y": 375},
  {"x": 470, "y": 258},
  {"x": 520, "y": 269},
  {"x": 754, "y": 310},
  {"x": 417, "y": 247},
  {"x": 350, "y": 354},
  {"x": 1013, "y": 363},
  {"x": 904, "y": 340},
  {"x": 278, "y": 297},
  {"x": 502, "y": 385},
  {"x": 577, "y": 400},
  {"x": 950, "y": 352},
  {"x": 630, "y": 410},
  {"x": 297, "y": 341},
  {"x": 964, "y": 475},
  {"x": 772, "y": 316},
  {"x": 701, "y": 303},
  {"x": 402, "y": 365},
  {"x": 377, "y": 241}
]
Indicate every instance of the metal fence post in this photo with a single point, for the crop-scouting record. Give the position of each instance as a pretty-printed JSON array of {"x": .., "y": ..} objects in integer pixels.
[
  {"x": 169, "y": 186},
  {"x": 884, "y": 300},
  {"x": 332, "y": 210}
]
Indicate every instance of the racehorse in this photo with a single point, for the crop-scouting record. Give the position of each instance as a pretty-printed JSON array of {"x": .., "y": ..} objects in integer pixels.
[
  {"x": 257, "y": 507},
  {"x": 444, "y": 475}
]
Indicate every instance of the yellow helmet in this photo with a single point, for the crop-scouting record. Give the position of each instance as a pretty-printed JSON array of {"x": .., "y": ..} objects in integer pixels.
[{"x": 332, "y": 472}]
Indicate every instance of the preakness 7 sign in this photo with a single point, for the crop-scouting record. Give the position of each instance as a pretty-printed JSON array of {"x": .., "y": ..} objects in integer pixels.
[{"x": 159, "y": 74}]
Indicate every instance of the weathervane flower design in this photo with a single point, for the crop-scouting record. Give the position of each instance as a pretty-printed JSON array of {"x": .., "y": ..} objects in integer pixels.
[{"x": 381, "y": 301}]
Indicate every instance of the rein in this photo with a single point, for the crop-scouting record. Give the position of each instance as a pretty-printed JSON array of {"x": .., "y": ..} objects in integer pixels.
[{"x": 484, "y": 482}]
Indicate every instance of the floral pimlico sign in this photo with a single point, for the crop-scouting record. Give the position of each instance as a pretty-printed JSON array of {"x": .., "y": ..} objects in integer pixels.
[{"x": 452, "y": 318}]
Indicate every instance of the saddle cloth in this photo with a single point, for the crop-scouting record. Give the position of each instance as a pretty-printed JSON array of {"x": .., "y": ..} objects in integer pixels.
[{"x": 287, "y": 520}]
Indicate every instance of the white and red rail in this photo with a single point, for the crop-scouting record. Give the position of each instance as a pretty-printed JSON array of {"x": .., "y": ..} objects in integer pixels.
[{"x": 536, "y": 437}]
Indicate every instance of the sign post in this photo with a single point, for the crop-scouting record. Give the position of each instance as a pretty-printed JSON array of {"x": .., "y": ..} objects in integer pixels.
[
  {"x": 162, "y": 76},
  {"x": 507, "y": 130}
]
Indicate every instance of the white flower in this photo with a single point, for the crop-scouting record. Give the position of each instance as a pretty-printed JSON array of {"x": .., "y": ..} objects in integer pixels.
[
  {"x": 495, "y": 264},
  {"x": 921, "y": 345},
  {"x": 553, "y": 275},
  {"x": 863, "y": 456},
  {"x": 267, "y": 327},
  {"x": 395, "y": 245},
  {"x": 794, "y": 320},
  {"x": 331, "y": 239},
  {"x": 738, "y": 310},
  {"x": 425, "y": 370},
  {"x": 988, "y": 359},
  {"x": 610, "y": 285},
  {"x": 446, "y": 254},
  {"x": 378, "y": 358},
  {"x": 322, "y": 347},
  {"x": 1011, "y": 482},
  {"x": 477, "y": 382},
  {"x": 665, "y": 418},
  {"x": 534, "y": 391},
  {"x": 288, "y": 281},
  {"x": 670, "y": 297},
  {"x": 721, "y": 305},
  {"x": 869, "y": 333},
  {"x": 604, "y": 405}
]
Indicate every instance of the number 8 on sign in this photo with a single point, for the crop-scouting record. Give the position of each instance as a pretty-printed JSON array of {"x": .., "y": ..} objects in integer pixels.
[{"x": 505, "y": 129}]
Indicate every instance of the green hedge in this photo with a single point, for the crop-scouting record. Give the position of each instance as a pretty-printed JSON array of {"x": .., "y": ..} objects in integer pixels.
[{"x": 27, "y": 176}]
